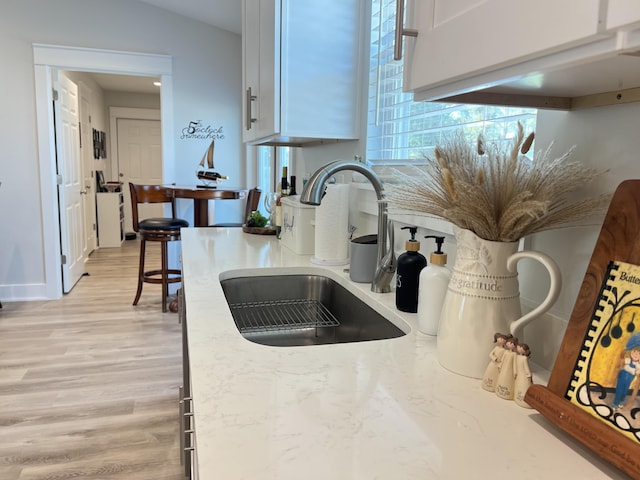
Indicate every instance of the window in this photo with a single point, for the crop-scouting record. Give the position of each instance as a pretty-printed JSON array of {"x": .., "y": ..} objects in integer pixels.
[
  {"x": 401, "y": 130},
  {"x": 270, "y": 163}
]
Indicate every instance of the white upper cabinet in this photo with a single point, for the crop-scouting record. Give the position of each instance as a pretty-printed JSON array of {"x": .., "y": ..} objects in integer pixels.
[
  {"x": 622, "y": 13},
  {"x": 544, "y": 53},
  {"x": 463, "y": 37},
  {"x": 261, "y": 53},
  {"x": 302, "y": 70}
]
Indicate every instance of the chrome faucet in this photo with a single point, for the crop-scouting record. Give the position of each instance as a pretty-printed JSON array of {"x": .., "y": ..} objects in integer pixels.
[{"x": 313, "y": 192}]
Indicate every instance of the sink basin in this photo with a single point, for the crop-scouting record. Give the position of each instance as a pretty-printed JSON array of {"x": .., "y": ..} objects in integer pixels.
[{"x": 296, "y": 310}]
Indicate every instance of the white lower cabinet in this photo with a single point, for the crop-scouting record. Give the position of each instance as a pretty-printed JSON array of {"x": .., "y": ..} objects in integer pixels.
[{"x": 186, "y": 419}]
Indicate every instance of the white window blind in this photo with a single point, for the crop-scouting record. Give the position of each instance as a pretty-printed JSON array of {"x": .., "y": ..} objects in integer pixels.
[{"x": 403, "y": 131}]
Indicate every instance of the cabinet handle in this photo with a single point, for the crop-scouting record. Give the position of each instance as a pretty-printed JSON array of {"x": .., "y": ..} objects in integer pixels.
[
  {"x": 250, "y": 98},
  {"x": 187, "y": 453},
  {"x": 400, "y": 31},
  {"x": 181, "y": 422}
]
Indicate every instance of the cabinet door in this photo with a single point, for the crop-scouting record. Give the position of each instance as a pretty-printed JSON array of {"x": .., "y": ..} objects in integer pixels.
[
  {"x": 621, "y": 13},
  {"x": 320, "y": 68},
  {"x": 261, "y": 55},
  {"x": 250, "y": 67},
  {"x": 460, "y": 38}
]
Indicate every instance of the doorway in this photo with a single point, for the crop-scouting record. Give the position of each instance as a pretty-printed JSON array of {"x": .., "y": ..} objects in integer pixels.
[{"x": 48, "y": 58}]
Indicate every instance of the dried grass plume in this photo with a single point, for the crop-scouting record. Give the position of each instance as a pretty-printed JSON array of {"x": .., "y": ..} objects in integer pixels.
[{"x": 500, "y": 196}]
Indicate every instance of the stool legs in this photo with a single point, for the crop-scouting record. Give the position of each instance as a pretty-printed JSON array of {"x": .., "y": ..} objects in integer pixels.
[
  {"x": 166, "y": 275},
  {"x": 140, "y": 271}
]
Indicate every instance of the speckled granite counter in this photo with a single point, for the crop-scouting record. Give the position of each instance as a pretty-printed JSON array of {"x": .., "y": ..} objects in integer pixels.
[{"x": 382, "y": 409}]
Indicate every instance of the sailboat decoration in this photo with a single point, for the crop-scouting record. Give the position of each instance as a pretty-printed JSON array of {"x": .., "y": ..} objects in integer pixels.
[{"x": 206, "y": 173}]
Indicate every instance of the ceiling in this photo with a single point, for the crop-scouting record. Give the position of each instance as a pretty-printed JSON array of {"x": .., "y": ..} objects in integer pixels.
[
  {"x": 225, "y": 14},
  {"x": 126, "y": 83}
]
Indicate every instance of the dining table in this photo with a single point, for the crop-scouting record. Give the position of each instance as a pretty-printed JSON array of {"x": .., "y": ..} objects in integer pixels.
[{"x": 201, "y": 196}]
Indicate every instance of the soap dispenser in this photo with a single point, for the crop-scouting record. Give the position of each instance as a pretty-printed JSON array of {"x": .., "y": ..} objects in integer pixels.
[
  {"x": 409, "y": 265},
  {"x": 434, "y": 281}
]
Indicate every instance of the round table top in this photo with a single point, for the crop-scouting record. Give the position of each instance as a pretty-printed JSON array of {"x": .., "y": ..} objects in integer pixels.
[{"x": 199, "y": 193}]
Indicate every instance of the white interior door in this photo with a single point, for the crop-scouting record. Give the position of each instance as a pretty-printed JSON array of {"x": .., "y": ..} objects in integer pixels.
[
  {"x": 139, "y": 161},
  {"x": 89, "y": 181},
  {"x": 70, "y": 182}
]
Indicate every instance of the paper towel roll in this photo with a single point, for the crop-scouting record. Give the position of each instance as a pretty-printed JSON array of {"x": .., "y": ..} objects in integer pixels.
[{"x": 332, "y": 227}]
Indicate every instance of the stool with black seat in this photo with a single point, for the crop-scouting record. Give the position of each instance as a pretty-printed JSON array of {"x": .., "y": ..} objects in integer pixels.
[
  {"x": 253, "y": 200},
  {"x": 156, "y": 229}
]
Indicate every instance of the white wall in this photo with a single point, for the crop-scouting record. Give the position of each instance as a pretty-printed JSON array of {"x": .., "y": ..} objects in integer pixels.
[
  {"x": 206, "y": 86},
  {"x": 606, "y": 138}
]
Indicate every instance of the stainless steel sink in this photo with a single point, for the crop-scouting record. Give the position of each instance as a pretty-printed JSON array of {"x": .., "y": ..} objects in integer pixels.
[{"x": 296, "y": 310}]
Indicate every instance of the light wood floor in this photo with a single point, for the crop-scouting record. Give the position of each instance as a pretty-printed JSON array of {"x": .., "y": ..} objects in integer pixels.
[{"x": 89, "y": 383}]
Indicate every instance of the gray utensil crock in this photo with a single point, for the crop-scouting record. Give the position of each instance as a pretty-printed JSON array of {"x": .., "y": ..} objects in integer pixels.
[{"x": 363, "y": 258}]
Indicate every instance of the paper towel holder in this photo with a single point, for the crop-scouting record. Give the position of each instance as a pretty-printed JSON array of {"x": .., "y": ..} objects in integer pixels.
[{"x": 313, "y": 192}]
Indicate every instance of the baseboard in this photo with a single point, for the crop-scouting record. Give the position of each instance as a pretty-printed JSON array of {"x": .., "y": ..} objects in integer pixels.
[{"x": 24, "y": 293}]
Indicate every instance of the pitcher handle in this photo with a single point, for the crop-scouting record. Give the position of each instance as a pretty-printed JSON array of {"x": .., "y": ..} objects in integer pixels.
[{"x": 555, "y": 279}]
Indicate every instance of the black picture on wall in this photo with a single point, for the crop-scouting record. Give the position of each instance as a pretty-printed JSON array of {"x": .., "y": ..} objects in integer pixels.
[{"x": 99, "y": 144}]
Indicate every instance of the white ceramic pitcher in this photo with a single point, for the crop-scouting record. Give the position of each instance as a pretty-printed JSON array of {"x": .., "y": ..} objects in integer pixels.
[{"x": 483, "y": 298}]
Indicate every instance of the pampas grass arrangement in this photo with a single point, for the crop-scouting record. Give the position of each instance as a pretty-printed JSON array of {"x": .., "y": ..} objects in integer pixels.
[{"x": 500, "y": 196}]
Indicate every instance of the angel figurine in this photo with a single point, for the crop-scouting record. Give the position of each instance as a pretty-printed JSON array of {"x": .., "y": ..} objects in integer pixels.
[
  {"x": 490, "y": 376},
  {"x": 506, "y": 377},
  {"x": 523, "y": 374}
]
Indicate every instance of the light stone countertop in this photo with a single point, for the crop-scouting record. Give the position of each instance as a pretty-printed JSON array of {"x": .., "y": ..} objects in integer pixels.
[{"x": 369, "y": 410}]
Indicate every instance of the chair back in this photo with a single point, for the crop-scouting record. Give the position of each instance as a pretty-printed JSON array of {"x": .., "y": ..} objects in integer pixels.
[
  {"x": 141, "y": 194},
  {"x": 253, "y": 200}
]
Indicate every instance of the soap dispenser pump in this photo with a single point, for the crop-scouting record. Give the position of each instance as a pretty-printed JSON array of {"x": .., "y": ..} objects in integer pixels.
[
  {"x": 434, "y": 281},
  {"x": 409, "y": 266}
]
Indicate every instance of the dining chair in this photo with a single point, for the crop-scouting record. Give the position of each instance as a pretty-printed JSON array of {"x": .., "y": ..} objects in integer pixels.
[
  {"x": 156, "y": 229},
  {"x": 253, "y": 200}
]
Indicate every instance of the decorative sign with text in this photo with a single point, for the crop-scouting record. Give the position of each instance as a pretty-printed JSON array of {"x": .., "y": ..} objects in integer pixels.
[{"x": 196, "y": 130}]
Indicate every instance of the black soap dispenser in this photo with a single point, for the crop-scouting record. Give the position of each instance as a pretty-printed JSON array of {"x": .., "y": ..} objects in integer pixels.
[{"x": 409, "y": 266}]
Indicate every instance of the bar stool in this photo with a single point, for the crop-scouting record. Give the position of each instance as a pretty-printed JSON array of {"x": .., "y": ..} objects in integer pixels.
[{"x": 156, "y": 229}]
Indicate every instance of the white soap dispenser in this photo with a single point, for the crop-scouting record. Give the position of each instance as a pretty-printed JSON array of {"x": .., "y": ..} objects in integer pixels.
[{"x": 434, "y": 280}]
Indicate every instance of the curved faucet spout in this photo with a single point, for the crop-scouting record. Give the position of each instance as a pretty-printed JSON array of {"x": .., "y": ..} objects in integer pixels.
[{"x": 313, "y": 192}]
